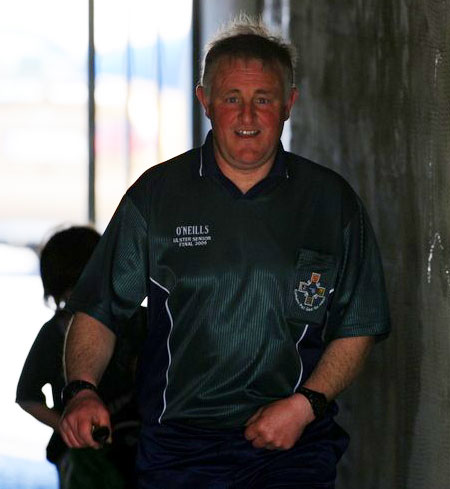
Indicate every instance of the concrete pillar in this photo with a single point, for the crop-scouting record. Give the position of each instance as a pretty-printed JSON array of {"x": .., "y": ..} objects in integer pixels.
[{"x": 374, "y": 105}]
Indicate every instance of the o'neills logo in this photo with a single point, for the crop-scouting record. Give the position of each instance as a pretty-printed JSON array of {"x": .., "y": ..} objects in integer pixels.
[
  {"x": 192, "y": 230},
  {"x": 193, "y": 235}
]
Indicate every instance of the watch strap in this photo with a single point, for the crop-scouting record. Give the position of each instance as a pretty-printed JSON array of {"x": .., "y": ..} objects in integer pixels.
[
  {"x": 73, "y": 387},
  {"x": 317, "y": 400}
]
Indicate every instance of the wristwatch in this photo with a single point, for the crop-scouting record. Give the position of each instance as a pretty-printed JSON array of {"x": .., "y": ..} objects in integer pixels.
[
  {"x": 73, "y": 388},
  {"x": 317, "y": 400}
]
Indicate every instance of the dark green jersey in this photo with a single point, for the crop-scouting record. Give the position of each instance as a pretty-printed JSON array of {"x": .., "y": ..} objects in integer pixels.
[{"x": 243, "y": 291}]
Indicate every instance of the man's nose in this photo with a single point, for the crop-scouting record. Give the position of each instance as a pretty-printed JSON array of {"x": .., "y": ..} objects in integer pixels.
[{"x": 247, "y": 112}]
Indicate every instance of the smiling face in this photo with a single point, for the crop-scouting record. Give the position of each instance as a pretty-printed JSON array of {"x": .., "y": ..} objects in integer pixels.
[{"x": 247, "y": 107}]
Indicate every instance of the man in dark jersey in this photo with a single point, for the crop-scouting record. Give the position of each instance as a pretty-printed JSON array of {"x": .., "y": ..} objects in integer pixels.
[{"x": 265, "y": 293}]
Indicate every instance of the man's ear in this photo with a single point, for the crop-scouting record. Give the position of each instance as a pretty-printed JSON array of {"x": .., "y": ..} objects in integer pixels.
[
  {"x": 293, "y": 96},
  {"x": 202, "y": 98}
]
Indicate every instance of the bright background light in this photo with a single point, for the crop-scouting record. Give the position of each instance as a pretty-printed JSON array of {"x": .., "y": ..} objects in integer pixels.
[{"x": 143, "y": 116}]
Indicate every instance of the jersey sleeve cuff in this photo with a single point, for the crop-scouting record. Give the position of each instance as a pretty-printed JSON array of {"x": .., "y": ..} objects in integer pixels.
[
  {"x": 380, "y": 330},
  {"x": 97, "y": 313}
]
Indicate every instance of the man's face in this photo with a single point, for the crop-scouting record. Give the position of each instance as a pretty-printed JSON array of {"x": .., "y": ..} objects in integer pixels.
[{"x": 247, "y": 108}]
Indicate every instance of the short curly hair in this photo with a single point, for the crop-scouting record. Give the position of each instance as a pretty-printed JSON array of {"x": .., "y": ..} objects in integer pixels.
[
  {"x": 63, "y": 258},
  {"x": 248, "y": 38}
]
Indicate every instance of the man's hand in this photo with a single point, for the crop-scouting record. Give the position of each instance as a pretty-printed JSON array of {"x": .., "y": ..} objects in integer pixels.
[
  {"x": 83, "y": 412},
  {"x": 280, "y": 424}
]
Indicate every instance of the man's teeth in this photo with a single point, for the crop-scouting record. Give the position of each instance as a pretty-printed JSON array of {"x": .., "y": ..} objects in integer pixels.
[{"x": 247, "y": 133}]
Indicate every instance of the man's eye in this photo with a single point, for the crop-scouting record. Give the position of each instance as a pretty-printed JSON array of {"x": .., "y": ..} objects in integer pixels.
[
  {"x": 232, "y": 100},
  {"x": 262, "y": 100}
]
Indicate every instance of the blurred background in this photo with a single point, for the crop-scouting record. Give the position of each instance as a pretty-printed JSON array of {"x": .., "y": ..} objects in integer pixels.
[{"x": 93, "y": 92}]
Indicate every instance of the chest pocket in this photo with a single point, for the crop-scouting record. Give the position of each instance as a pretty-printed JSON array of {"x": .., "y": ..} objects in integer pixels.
[{"x": 314, "y": 279}]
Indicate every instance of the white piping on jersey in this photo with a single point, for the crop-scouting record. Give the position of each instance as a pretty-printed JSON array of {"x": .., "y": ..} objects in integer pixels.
[
  {"x": 331, "y": 291},
  {"x": 168, "y": 347},
  {"x": 300, "y": 357},
  {"x": 201, "y": 163}
]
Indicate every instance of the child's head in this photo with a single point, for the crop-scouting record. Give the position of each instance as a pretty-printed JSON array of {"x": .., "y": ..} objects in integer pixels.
[{"x": 62, "y": 260}]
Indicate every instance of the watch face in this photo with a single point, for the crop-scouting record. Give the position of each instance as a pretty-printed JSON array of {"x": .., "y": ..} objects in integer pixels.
[{"x": 317, "y": 399}]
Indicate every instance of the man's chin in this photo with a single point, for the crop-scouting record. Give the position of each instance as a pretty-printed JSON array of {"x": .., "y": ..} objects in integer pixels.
[{"x": 248, "y": 164}]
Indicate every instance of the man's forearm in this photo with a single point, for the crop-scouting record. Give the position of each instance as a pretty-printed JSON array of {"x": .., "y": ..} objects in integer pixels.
[
  {"x": 280, "y": 424},
  {"x": 42, "y": 413},
  {"x": 339, "y": 365},
  {"x": 88, "y": 349}
]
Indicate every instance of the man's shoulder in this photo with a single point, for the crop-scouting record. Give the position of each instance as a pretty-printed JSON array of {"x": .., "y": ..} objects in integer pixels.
[
  {"x": 176, "y": 167},
  {"x": 163, "y": 177},
  {"x": 321, "y": 177},
  {"x": 300, "y": 166},
  {"x": 332, "y": 188}
]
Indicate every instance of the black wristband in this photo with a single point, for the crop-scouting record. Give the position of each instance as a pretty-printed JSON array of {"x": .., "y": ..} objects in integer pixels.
[
  {"x": 317, "y": 400},
  {"x": 73, "y": 388}
]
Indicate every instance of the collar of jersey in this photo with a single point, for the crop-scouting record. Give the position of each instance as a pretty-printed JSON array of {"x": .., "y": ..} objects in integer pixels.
[{"x": 208, "y": 167}]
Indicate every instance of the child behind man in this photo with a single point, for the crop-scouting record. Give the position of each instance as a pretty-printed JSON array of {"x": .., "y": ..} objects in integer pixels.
[{"x": 61, "y": 262}]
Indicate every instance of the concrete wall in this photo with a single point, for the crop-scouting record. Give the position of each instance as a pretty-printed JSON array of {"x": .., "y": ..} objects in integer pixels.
[{"x": 375, "y": 105}]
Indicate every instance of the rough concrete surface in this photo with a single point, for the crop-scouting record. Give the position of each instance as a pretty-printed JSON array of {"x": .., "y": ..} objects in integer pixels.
[{"x": 375, "y": 106}]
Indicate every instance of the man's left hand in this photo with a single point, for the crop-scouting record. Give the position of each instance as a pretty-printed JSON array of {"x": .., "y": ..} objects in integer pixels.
[{"x": 280, "y": 424}]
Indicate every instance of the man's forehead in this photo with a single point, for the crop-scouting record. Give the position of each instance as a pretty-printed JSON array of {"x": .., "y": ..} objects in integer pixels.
[
  {"x": 228, "y": 61},
  {"x": 234, "y": 72}
]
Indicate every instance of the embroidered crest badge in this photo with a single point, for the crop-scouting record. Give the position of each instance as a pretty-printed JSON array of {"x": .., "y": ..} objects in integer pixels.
[{"x": 310, "y": 295}]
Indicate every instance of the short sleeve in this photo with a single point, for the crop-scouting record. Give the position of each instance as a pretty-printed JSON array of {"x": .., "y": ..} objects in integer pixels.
[
  {"x": 43, "y": 365},
  {"x": 33, "y": 376},
  {"x": 359, "y": 306},
  {"x": 113, "y": 284}
]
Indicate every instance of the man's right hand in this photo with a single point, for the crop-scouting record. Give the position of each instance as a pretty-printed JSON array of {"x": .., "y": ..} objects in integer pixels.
[{"x": 84, "y": 412}]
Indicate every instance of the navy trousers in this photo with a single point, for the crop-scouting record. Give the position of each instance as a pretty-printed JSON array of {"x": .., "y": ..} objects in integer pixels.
[{"x": 175, "y": 457}]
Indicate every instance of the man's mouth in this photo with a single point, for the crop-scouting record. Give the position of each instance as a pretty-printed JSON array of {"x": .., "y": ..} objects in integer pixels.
[{"x": 247, "y": 133}]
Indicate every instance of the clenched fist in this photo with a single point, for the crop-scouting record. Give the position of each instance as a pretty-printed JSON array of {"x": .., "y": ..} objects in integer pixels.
[{"x": 280, "y": 424}]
